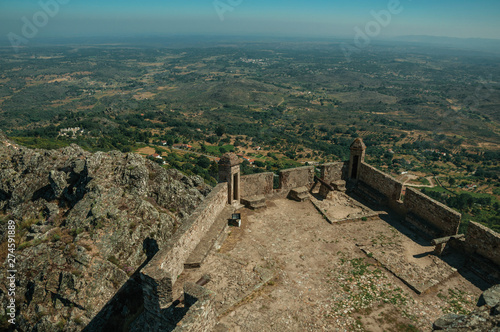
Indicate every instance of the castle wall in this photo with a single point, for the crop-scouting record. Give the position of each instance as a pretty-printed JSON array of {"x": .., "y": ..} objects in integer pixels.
[
  {"x": 334, "y": 171},
  {"x": 381, "y": 182},
  {"x": 441, "y": 220},
  {"x": 483, "y": 241},
  {"x": 257, "y": 184},
  {"x": 296, "y": 177},
  {"x": 162, "y": 271},
  {"x": 201, "y": 315}
]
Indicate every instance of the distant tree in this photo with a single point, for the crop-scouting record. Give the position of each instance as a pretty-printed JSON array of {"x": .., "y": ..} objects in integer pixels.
[
  {"x": 203, "y": 162},
  {"x": 220, "y": 130},
  {"x": 259, "y": 163},
  {"x": 187, "y": 166},
  {"x": 212, "y": 139},
  {"x": 480, "y": 173}
]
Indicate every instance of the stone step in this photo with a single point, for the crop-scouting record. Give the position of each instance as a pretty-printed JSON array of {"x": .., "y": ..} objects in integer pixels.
[
  {"x": 300, "y": 194},
  {"x": 214, "y": 235},
  {"x": 254, "y": 202}
]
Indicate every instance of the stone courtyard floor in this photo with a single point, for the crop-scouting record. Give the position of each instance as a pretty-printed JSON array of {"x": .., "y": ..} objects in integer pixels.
[{"x": 288, "y": 269}]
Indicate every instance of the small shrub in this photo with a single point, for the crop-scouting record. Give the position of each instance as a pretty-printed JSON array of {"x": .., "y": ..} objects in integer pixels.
[
  {"x": 114, "y": 260},
  {"x": 78, "y": 320},
  {"x": 28, "y": 244},
  {"x": 24, "y": 245},
  {"x": 76, "y": 232},
  {"x": 56, "y": 237},
  {"x": 61, "y": 324}
]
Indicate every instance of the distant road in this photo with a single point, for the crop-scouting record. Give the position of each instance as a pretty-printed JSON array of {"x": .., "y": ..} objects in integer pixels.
[
  {"x": 441, "y": 185},
  {"x": 410, "y": 177}
]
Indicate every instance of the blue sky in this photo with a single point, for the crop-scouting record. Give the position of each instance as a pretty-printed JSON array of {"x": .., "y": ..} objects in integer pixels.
[{"x": 315, "y": 18}]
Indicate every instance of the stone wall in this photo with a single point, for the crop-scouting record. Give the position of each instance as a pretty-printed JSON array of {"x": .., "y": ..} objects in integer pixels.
[
  {"x": 483, "y": 241},
  {"x": 334, "y": 171},
  {"x": 257, "y": 184},
  {"x": 296, "y": 177},
  {"x": 442, "y": 220},
  {"x": 201, "y": 315},
  {"x": 162, "y": 271},
  {"x": 381, "y": 182}
]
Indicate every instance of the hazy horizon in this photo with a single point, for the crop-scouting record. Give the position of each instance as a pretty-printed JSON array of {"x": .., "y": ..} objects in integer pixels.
[{"x": 30, "y": 20}]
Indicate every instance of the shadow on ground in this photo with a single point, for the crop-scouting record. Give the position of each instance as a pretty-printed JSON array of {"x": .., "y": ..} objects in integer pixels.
[
  {"x": 468, "y": 268},
  {"x": 127, "y": 305}
]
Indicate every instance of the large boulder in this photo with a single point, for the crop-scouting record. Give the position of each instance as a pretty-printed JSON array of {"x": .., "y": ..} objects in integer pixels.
[{"x": 491, "y": 296}]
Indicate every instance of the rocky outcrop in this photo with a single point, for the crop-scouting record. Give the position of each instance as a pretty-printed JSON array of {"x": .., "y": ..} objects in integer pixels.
[
  {"x": 485, "y": 318},
  {"x": 85, "y": 223}
]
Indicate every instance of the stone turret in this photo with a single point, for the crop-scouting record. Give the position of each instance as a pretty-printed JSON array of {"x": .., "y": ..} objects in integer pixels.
[
  {"x": 358, "y": 151},
  {"x": 229, "y": 171}
]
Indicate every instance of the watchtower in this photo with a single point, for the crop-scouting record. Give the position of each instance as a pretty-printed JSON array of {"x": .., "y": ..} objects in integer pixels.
[
  {"x": 229, "y": 171},
  {"x": 358, "y": 151}
]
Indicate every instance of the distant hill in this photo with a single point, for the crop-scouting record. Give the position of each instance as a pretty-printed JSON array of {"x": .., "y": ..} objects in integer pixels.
[{"x": 476, "y": 44}]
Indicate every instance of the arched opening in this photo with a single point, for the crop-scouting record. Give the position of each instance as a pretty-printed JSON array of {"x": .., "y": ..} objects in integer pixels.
[
  {"x": 354, "y": 171},
  {"x": 236, "y": 190}
]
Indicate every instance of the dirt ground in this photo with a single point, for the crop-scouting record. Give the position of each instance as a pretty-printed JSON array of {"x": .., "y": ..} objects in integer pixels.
[{"x": 288, "y": 269}]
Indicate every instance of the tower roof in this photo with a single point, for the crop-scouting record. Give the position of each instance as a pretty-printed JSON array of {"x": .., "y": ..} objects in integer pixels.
[
  {"x": 358, "y": 144},
  {"x": 229, "y": 159}
]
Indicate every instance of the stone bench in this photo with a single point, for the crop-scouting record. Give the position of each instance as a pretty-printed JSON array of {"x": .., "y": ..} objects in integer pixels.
[
  {"x": 442, "y": 241},
  {"x": 300, "y": 194},
  {"x": 254, "y": 202}
]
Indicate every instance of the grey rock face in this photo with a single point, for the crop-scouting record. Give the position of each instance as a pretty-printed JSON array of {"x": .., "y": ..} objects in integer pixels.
[
  {"x": 484, "y": 318},
  {"x": 57, "y": 182},
  {"x": 84, "y": 224},
  {"x": 492, "y": 296},
  {"x": 447, "y": 321}
]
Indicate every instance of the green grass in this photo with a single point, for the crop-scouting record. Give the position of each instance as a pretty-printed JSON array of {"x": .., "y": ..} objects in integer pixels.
[
  {"x": 424, "y": 181},
  {"x": 457, "y": 302},
  {"x": 40, "y": 143},
  {"x": 215, "y": 150}
]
